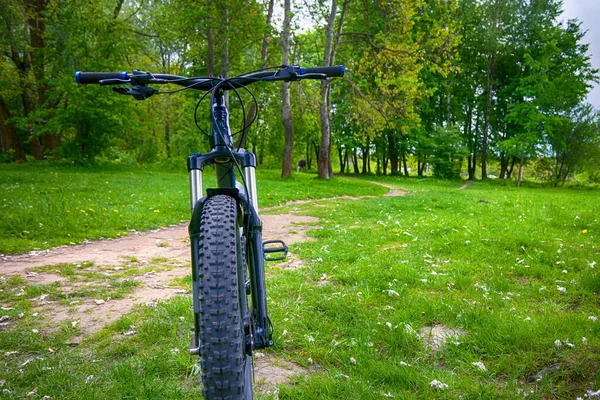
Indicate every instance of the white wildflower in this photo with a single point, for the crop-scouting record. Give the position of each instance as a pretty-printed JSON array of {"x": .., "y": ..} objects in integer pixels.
[
  {"x": 389, "y": 325},
  {"x": 591, "y": 394},
  {"x": 392, "y": 293},
  {"x": 438, "y": 385},
  {"x": 175, "y": 351},
  {"x": 310, "y": 360},
  {"x": 592, "y": 318},
  {"x": 528, "y": 319},
  {"x": 74, "y": 324},
  {"x": 561, "y": 289},
  {"x": 584, "y": 341},
  {"x": 564, "y": 271},
  {"x": 592, "y": 264},
  {"x": 405, "y": 364},
  {"x": 352, "y": 360},
  {"x": 479, "y": 365},
  {"x": 571, "y": 345},
  {"x": 309, "y": 338},
  {"x": 32, "y": 393},
  {"x": 388, "y": 394},
  {"x": 89, "y": 379},
  {"x": 35, "y": 331},
  {"x": 129, "y": 333},
  {"x": 99, "y": 302},
  {"x": 558, "y": 344}
]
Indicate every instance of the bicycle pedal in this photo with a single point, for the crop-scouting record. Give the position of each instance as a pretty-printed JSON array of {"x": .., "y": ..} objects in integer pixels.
[{"x": 275, "y": 246}]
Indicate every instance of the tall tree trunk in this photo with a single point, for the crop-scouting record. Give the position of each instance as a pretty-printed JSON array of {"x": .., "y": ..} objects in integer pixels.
[
  {"x": 355, "y": 161},
  {"x": 286, "y": 107},
  {"x": 9, "y": 141},
  {"x": 264, "y": 57},
  {"x": 486, "y": 119},
  {"x": 404, "y": 162},
  {"x": 324, "y": 165},
  {"x": 490, "y": 79},
  {"x": 210, "y": 43}
]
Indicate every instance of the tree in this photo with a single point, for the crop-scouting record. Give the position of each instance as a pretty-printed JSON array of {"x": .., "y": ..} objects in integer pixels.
[{"x": 286, "y": 108}]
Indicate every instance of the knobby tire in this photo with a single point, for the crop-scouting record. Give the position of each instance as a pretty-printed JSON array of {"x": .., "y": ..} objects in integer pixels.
[{"x": 226, "y": 368}]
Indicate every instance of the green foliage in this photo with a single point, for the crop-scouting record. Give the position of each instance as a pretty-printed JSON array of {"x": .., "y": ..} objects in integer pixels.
[{"x": 447, "y": 153}]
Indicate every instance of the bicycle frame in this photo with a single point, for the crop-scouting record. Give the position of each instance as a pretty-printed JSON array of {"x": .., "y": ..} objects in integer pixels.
[{"x": 259, "y": 335}]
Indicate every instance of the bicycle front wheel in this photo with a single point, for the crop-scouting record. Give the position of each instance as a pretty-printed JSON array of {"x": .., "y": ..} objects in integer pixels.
[{"x": 226, "y": 368}]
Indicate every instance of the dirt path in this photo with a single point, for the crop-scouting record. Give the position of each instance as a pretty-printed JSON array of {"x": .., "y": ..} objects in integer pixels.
[
  {"x": 170, "y": 243},
  {"x": 465, "y": 185}
]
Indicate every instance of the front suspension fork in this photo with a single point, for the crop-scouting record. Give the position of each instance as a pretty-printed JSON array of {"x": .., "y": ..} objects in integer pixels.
[{"x": 259, "y": 335}]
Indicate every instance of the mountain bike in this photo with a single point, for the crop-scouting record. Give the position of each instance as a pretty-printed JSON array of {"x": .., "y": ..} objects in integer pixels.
[{"x": 227, "y": 250}]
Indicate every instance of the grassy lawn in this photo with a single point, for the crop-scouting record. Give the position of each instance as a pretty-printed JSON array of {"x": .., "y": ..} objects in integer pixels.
[
  {"x": 511, "y": 271},
  {"x": 43, "y": 206}
]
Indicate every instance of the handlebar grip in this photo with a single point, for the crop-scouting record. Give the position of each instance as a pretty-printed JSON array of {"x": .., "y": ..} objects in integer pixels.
[
  {"x": 331, "y": 72},
  {"x": 84, "y": 78}
]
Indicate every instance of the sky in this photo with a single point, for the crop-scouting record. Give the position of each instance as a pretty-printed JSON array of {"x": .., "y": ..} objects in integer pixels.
[{"x": 588, "y": 13}]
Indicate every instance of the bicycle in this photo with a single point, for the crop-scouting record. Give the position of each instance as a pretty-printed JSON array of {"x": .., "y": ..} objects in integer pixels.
[{"x": 227, "y": 251}]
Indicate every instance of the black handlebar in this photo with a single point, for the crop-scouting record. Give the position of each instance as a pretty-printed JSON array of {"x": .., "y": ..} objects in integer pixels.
[
  {"x": 84, "y": 78},
  {"x": 285, "y": 73},
  {"x": 336, "y": 71}
]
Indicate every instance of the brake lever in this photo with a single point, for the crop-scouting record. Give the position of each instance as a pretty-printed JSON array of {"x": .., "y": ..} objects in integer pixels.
[
  {"x": 106, "y": 82},
  {"x": 138, "y": 92}
]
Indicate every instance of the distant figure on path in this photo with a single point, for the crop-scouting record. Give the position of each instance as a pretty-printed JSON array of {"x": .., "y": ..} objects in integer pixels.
[{"x": 301, "y": 165}]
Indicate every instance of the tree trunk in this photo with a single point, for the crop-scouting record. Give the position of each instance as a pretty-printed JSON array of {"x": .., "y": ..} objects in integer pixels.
[
  {"x": 264, "y": 56},
  {"x": 286, "y": 107},
  {"x": 9, "y": 141},
  {"x": 503, "y": 166},
  {"x": 512, "y": 166},
  {"x": 324, "y": 166},
  {"x": 521, "y": 170},
  {"x": 486, "y": 119},
  {"x": 346, "y": 160},
  {"x": 490, "y": 78},
  {"x": 355, "y": 162},
  {"x": 404, "y": 162},
  {"x": 210, "y": 45},
  {"x": 393, "y": 149},
  {"x": 168, "y": 139}
]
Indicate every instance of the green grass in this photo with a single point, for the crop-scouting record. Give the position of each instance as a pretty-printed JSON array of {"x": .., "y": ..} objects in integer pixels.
[
  {"x": 512, "y": 268},
  {"x": 496, "y": 264},
  {"x": 47, "y": 205}
]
